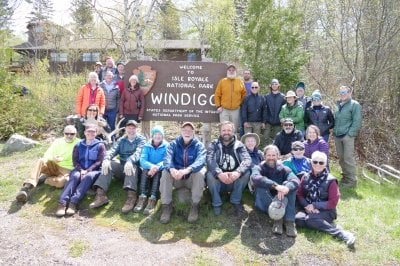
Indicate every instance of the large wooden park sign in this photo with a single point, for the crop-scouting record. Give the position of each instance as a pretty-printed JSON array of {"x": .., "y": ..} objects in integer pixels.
[{"x": 178, "y": 91}]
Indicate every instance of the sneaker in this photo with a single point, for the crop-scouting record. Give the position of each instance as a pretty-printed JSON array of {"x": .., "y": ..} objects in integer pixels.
[
  {"x": 71, "y": 210},
  {"x": 194, "y": 213},
  {"x": 151, "y": 204},
  {"x": 60, "y": 212},
  {"x": 130, "y": 201},
  {"x": 217, "y": 210},
  {"x": 277, "y": 227},
  {"x": 141, "y": 203},
  {"x": 290, "y": 229},
  {"x": 166, "y": 211},
  {"x": 100, "y": 199},
  {"x": 239, "y": 209},
  {"x": 23, "y": 194}
]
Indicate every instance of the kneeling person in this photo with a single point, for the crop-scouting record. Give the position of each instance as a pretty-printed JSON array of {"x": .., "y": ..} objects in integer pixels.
[
  {"x": 228, "y": 164},
  {"x": 55, "y": 164},
  {"x": 128, "y": 148},
  {"x": 271, "y": 178}
]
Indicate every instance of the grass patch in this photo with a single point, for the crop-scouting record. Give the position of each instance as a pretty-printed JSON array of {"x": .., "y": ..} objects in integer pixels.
[
  {"x": 77, "y": 248},
  {"x": 371, "y": 211}
]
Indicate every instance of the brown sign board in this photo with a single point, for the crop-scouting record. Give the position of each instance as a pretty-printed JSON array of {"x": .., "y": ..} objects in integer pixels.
[{"x": 178, "y": 91}]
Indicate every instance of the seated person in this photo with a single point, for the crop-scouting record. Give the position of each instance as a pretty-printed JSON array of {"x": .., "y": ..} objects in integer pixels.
[
  {"x": 251, "y": 141},
  {"x": 318, "y": 195},
  {"x": 228, "y": 164},
  {"x": 151, "y": 162},
  {"x": 271, "y": 179},
  {"x": 87, "y": 157},
  {"x": 92, "y": 117},
  {"x": 314, "y": 142},
  {"x": 55, "y": 164},
  {"x": 298, "y": 163},
  {"x": 284, "y": 139}
]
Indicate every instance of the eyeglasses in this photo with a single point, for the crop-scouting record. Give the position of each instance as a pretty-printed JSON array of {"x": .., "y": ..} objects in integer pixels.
[
  {"x": 343, "y": 92},
  {"x": 69, "y": 134},
  {"x": 318, "y": 162},
  {"x": 287, "y": 125},
  {"x": 298, "y": 149},
  {"x": 91, "y": 131},
  {"x": 92, "y": 110},
  {"x": 254, "y": 87}
]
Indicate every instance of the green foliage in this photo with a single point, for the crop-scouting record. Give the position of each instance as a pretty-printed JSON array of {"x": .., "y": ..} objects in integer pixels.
[
  {"x": 82, "y": 14},
  {"x": 41, "y": 10},
  {"x": 6, "y": 11},
  {"x": 271, "y": 41},
  {"x": 169, "y": 21}
]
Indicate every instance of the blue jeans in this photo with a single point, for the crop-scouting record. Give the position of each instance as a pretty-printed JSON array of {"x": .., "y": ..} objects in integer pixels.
[
  {"x": 75, "y": 189},
  {"x": 110, "y": 116},
  {"x": 326, "y": 138},
  {"x": 264, "y": 199},
  {"x": 236, "y": 188}
]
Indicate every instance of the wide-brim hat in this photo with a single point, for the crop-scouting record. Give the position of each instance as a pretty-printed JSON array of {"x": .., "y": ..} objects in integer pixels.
[
  {"x": 254, "y": 135},
  {"x": 291, "y": 94}
]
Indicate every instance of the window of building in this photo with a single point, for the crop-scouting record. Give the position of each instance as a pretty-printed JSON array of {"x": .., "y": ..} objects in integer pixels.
[
  {"x": 58, "y": 57},
  {"x": 91, "y": 57}
]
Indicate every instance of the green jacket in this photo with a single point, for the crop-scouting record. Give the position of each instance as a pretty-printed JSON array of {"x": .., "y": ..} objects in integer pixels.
[
  {"x": 295, "y": 112},
  {"x": 347, "y": 118}
]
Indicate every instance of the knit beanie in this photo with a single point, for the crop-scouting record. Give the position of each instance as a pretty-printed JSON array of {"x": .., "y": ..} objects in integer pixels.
[{"x": 157, "y": 129}]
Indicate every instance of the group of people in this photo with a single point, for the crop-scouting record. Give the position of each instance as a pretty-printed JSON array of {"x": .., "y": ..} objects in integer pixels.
[{"x": 286, "y": 169}]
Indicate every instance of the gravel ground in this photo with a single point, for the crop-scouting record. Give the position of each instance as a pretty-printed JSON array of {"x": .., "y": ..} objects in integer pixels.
[{"x": 48, "y": 241}]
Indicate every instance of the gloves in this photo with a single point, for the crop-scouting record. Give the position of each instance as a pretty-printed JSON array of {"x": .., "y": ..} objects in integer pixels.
[
  {"x": 105, "y": 167},
  {"x": 129, "y": 170}
]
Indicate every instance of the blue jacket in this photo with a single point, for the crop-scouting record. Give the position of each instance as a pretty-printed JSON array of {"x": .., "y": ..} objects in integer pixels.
[
  {"x": 180, "y": 157},
  {"x": 127, "y": 150},
  {"x": 252, "y": 109},
  {"x": 321, "y": 116},
  {"x": 273, "y": 106},
  {"x": 153, "y": 156},
  {"x": 88, "y": 157}
]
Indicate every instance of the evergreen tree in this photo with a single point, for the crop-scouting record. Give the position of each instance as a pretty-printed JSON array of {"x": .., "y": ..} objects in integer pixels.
[
  {"x": 83, "y": 16},
  {"x": 6, "y": 11},
  {"x": 41, "y": 10},
  {"x": 169, "y": 21}
]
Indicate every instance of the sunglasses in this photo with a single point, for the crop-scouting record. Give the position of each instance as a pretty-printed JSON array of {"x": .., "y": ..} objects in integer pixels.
[
  {"x": 287, "y": 125},
  {"x": 254, "y": 87},
  {"x": 92, "y": 110},
  {"x": 343, "y": 92},
  {"x": 298, "y": 149},
  {"x": 69, "y": 134},
  {"x": 318, "y": 162}
]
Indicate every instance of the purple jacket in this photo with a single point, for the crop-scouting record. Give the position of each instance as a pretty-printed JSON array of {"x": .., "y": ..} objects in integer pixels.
[{"x": 318, "y": 145}]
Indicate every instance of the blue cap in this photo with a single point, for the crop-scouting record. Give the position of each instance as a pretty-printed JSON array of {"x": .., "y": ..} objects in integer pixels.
[{"x": 157, "y": 129}]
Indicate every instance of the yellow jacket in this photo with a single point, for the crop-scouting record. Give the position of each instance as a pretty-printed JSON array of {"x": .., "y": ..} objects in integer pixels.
[{"x": 229, "y": 93}]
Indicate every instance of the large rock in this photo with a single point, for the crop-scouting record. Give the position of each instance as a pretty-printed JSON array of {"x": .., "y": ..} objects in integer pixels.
[{"x": 18, "y": 143}]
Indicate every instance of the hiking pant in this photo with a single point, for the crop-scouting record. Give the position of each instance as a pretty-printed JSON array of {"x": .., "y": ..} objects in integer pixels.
[
  {"x": 117, "y": 170},
  {"x": 57, "y": 175},
  {"x": 345, "y": 151}
]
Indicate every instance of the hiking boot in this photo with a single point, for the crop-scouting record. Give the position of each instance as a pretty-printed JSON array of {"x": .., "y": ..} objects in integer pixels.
[
  {"x": 277, "y": 228},
  {"x": 151, "y": 204},
  {"x": 60, "y": 212},
  {"x": 166, "y": 210},
  {"x": 141, "y": 202},
  {"x": 349, "y": 239},
  {"x": 348, "y": 183},
  {"x": 290, "y": 229},
  {"x": 239, "y": 209},
  {"x": 217, "y": 210},
  {"x": 100, "y": 199},
  {"x": 130, "y": 201},
  {"x": 24, "y": 193},
  {"x": 194, "y": 213},
  {"x": 71, "y": 210}
]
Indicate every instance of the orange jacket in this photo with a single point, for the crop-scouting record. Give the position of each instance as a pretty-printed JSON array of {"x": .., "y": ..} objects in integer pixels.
[
  {"x": 229, "y": 93},
  {"x": 82, "y": 100}
]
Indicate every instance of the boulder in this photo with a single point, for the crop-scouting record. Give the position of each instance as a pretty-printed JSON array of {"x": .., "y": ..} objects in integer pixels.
[{"x": 17, "y": 143}]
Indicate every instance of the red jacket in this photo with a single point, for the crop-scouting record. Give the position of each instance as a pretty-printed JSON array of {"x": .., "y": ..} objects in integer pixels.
[
  {"x": 128, "y": 102},
  {"x": 83, "y": 98}
]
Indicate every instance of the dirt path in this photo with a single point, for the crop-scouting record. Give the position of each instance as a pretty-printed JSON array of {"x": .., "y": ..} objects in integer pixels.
[{"x": 77, "y": 241}]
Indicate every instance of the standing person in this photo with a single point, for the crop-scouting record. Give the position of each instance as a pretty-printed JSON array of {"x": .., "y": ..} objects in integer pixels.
[
  {"x": 314, "y": 142},
  {"x": 347, "y": 124},
  {"x": 109, "y": 66},
  {"x": 305, "y": 101},
  {"x": 183, "y": 168},
  {"x": 128, "y": 148},
  {"x": 119, "y": 76},
  {"x": 272, "y": 179},
  {"x": 90, "y": 93},
  {"x": 273, "y": 105},
  {"x": 252, "y": 111},
  {"x": 55, "y": 164},
  {"x": 151, "y": 161},
  {"x": 98, "y": 69},
  {"x": 87, "y": 157},
  {"x": 247, "y": 81},
  {"x": 292, "y": 109},
  {"x": 228, "y": 164},
  {"x": 318, "y": 195},
  {"x": 284, "y": 139},
  {"x": 132, "y": 102},
  {"x": 319, "y": 115},
  {"x": 229, "y": 95},
  {"x": 112, "y": 95}
]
